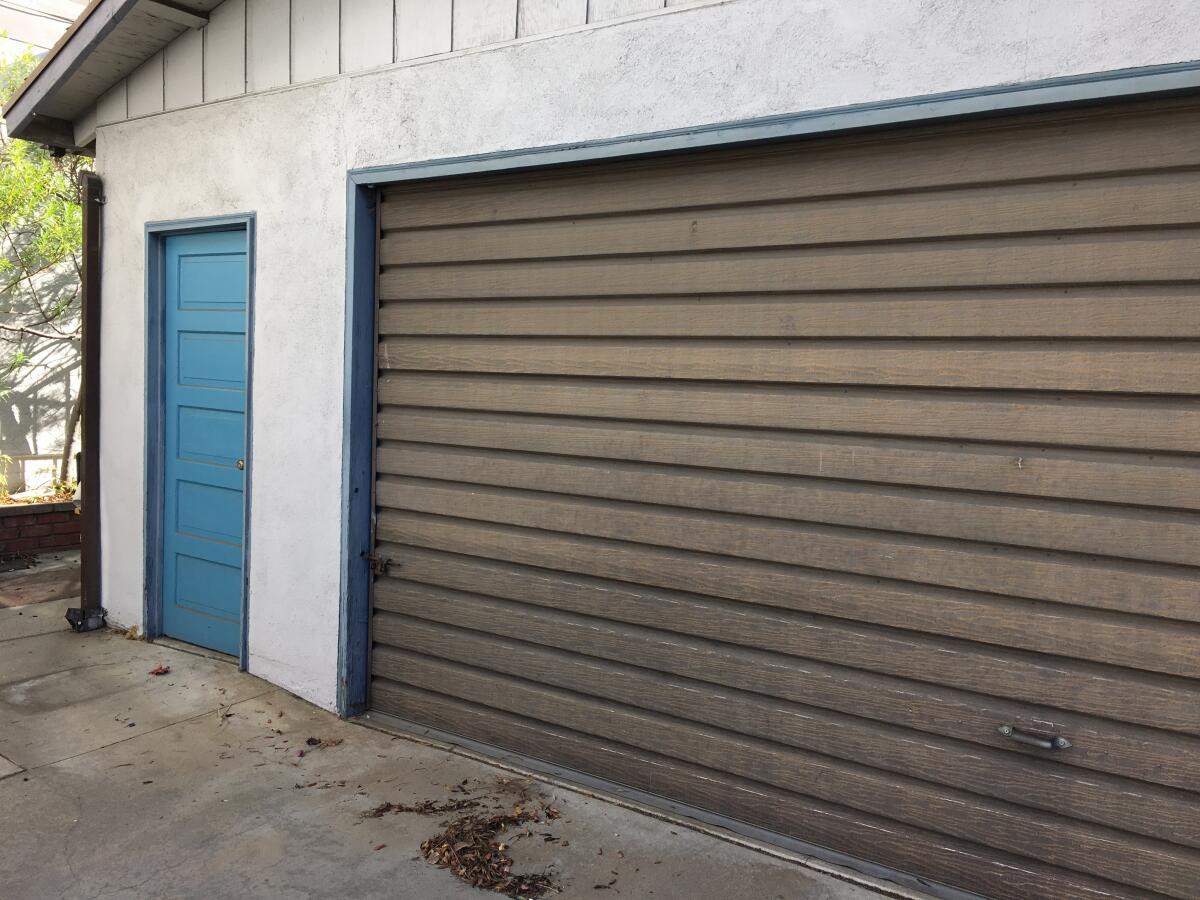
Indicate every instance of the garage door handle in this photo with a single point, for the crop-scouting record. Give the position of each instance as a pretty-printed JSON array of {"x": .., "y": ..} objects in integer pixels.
[{"x": 1032, "y": 740}]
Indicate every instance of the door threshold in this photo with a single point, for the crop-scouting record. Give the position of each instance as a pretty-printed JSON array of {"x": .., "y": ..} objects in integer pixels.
[{"x": 196, "y": 650}]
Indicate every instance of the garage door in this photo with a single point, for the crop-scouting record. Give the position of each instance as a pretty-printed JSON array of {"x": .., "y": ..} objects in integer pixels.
[{"x": 823, "y": 485}]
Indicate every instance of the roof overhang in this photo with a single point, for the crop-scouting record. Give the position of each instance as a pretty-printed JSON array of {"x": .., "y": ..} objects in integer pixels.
[{"x": 109, "y": 40}]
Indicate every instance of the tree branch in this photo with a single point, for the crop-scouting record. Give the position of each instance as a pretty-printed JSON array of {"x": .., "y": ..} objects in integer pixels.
[{"x": 35, "y": 333}]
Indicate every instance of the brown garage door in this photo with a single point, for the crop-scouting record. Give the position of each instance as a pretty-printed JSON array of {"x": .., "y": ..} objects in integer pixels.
[{"x": 777, "y": 480}]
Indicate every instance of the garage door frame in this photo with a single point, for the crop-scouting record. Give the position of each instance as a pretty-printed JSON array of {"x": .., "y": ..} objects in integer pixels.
[{"x": 360, "y": 334}]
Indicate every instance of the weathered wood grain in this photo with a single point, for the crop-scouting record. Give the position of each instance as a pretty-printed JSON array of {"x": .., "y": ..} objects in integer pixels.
[
  {"x": 1168, "y": 255},
  {"x": 1027, "y": 470},
  {"x": 1146, "y": 589},
  {"x": 1117, "y": 366},
  {"x": 1131, "y": 311},
  {"x": 1157, "y": 535},
  {"x": 1100, "y": 422},
  {"x": 773, "y": 479},
  {"x": 939, "y": 857},
  {"x": 1167, "y": 868},
  {"x": 1155, "y": 701},
  {"x": 497, "y": 562},
  {"x": 1117, "y": 802},
  {"x": 1170, "y": 198},
  {"x": 1101, "y": 745}
]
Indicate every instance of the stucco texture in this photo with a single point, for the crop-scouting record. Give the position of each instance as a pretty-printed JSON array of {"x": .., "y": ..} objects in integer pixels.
[{"x": 284, "y": 155}]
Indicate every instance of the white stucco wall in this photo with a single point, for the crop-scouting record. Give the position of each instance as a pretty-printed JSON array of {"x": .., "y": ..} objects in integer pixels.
[{"x": 284, "y": 155}]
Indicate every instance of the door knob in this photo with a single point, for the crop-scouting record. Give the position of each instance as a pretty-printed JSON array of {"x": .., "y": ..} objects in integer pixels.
[{"x": 241, "y": 464}]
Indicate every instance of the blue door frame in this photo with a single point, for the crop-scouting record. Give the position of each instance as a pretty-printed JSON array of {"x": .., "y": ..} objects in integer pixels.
[{"x": 160, "y": 438}]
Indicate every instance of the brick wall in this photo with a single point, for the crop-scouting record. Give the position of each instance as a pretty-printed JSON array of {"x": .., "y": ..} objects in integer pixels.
[{"x": 37, "y": 528}]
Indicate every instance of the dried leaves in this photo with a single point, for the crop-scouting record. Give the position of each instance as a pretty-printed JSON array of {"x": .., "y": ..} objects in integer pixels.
[
  {"x": 424, "y": 808},
  {"x": 322, "y": 743},
  {"x": 470, "y": 845},
  {"x": 469, "y": 848}
]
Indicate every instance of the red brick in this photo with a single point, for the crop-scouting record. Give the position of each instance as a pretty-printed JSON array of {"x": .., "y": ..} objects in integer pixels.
[
  {"x": 67, "y": 528},
  {"x": 22, "y": 544},
  {"x": 37, "y": 530},
  {"x": 52, "y": 518}
]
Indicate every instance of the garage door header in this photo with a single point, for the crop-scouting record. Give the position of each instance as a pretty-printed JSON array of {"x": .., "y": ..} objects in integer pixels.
[{"x": 1138, "y": 83}]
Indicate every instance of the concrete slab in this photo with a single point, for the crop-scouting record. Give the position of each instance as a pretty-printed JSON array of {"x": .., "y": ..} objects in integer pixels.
[
  {"x": 220, "y": 803},
  {"x": 42, "y": 618},
  {"x": 8, "y": 767},
  {"x": 62, "y": 694},
  {"x": 52, "y": 576}
]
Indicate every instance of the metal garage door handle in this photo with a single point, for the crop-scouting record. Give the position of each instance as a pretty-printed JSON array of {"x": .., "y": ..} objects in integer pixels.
[{"x": 1032, "y": 740}]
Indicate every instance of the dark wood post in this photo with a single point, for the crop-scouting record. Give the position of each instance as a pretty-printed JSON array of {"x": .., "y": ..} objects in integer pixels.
[{"x": 89, "y": 474}]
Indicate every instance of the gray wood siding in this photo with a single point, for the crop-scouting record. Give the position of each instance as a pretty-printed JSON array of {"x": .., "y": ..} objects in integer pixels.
[
  {"x": 774, "y": 480},
  {"x": 257, "y": 45}
]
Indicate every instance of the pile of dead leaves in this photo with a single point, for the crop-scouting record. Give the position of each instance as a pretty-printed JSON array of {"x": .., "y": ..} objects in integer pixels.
[
  {"x": 323, "y": 743},
  {"x": 424, "y": 808},
  {"x": 469, "y": 847}
]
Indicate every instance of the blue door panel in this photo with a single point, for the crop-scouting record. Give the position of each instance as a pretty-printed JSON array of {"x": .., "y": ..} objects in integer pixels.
[
  {"x": 212, "y": 360},
  {"x": 208, "y": 511},
  {"x": 210, "y": 436},
  {"x": 204, "y": 355},
  {"x": 209, "y": 279}
]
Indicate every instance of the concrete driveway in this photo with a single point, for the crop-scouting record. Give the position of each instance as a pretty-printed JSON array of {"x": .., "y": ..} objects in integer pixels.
[{"x": 116, "y": 783}]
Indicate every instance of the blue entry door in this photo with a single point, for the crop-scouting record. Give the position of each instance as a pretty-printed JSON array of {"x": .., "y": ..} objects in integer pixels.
[{"x": 204, "y": 361}]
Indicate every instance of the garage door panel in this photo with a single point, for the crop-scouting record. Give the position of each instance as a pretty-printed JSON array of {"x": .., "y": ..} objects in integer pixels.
[
  {"x": 1167, "y": 255},
  {"x": 1156, "y": 199},
  {"x": 1171, "y": 425},
  {"x": 1143, "y": 588},
  {"x": 1151, "y": 811},
  {"x": 1101, "y": 745},
  {"x": 1104, "y": 145},
  {"x": 1135, "y": 642},
  {"x": 884, "y": 840},
  {"x": 1158, "y": 311},
  {"x": 1162, "y": 368},
  {"x": 1027, "y": 470},
  {"x": 1170, "y": 869},
  {"x": 1079, "y": 687},
  {"x": 1086, "y": 528},
  {"x": 775, "y": 479}
]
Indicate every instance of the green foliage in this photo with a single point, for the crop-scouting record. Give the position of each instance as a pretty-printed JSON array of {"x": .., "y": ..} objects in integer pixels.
[
  {"x": 14, "y": 73},
  {"x": 40, "y": 215},
  {"x": 41, "y": 239}
]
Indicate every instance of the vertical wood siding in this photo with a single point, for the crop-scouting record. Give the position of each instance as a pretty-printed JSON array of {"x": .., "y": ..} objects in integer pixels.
[
  {"x": 146, "y": 87},
  {"x": 183, "y": 71},
  {"x": 225, "y": 51},
  {"x": 256, "y": 45},
  {"x": 268, "y": 36},
  {"x": 774, "y": 480}
]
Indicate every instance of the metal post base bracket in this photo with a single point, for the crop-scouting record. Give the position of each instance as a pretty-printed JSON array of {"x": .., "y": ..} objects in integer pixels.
[{"x": 87, "y": 619}]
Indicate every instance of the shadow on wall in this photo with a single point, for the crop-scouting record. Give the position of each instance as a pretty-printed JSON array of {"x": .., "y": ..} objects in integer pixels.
[{"x": 39, "y": 381}]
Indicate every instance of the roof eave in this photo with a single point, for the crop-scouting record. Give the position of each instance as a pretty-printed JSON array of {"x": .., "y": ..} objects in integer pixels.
[{"x": 90, "y": 29}]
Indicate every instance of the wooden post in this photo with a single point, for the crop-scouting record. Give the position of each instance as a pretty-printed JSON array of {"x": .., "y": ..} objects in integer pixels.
[{"x": 89, "y": 475}]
